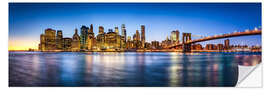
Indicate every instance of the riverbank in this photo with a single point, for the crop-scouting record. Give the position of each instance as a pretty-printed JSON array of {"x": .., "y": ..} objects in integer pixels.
[{"x": 140, "y": 50}]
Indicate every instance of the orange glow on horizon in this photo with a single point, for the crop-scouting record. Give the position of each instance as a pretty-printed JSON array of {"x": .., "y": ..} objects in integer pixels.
[{"x": 22, "y": 45}]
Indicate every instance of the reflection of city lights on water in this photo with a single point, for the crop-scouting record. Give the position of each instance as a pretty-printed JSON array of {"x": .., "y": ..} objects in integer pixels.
[
  {"x": 215, "y": 67},
  {"x": 174, "y": 68},
  {"x": 89, "y": 61},
  {"x": 174, "y": 76}
]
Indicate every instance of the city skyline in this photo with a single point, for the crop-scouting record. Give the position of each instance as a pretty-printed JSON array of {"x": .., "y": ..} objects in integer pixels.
[{"x": 26, "y": 26}]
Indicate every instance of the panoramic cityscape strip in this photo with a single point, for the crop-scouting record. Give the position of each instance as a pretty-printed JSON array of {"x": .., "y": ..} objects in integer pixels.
[{"x": 53, "y": 40}]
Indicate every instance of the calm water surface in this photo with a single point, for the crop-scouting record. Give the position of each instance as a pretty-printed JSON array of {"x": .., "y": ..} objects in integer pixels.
[{"x": 127, "y": 68}]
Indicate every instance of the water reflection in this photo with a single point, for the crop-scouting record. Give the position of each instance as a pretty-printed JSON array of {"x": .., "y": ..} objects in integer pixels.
[{"x": 127, "y": 68}]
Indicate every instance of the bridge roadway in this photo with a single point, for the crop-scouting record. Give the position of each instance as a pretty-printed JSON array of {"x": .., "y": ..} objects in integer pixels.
[{"x": 235, "y": 34}]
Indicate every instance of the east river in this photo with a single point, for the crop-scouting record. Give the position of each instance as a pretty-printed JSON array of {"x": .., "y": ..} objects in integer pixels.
[{"x": 148, "y": 69}]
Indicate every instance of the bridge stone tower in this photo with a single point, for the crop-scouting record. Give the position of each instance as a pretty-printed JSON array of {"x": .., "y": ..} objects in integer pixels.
[{"x": 185, "y": 39}]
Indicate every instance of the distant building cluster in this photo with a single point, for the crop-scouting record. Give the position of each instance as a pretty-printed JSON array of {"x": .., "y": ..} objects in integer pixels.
[{"x": 53, "y": 40}]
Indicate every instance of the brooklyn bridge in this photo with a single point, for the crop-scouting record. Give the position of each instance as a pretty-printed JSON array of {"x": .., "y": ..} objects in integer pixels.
[{"x": 187, "y": 41}]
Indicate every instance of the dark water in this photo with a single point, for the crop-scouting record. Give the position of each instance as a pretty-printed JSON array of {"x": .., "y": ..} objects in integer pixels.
[{"x": 127, "y": 69}]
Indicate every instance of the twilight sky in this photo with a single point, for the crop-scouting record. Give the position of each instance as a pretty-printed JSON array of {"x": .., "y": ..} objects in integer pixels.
[{"x": 28, "y": 20}]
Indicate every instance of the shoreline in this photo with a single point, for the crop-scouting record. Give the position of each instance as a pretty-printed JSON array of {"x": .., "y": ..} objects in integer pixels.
[{"x": 147, "y": 51}]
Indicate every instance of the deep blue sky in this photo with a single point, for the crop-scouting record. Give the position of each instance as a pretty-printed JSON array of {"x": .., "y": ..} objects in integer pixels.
[{"x": 28, "y": 20}]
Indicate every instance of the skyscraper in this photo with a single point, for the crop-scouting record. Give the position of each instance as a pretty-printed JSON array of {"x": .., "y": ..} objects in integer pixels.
[
  {"x": 83, "y": 37},
  {"x": 75, "y": 41},
  {"x": 100, "y": 38},
  {"x": 155, "y": 44},
  {"x": 111, "y": 40},
  {"x": 59, "y": 40},
  {"x": 227, "y": 44},
  {"x": 138, "y": 38},
  {"x": 175, "y": 36},
  {"x": 123, "y": 27},
  {"x": 116, "y": 30},
  {"x": 100, "y": 30},
  {"x": 143, "y": 35},
  {"x": 67, "y": 44},
  {"x": 50, "y": 39},
  {"x": 90, "y": 38},
  {"x": 91, "y": 29},
  {"x": 118, "y": 38},
  {"x": 42, "y": 43}
]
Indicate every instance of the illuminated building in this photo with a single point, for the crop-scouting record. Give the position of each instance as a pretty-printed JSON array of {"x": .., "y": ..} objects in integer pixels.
[
  {"x": 143, "y": 36},
  {"x": 138, "y": 36},
  {"x": 211, "y": 47},
  {"x": 59, "y": 41},
  {"x": 227, "y": 44},
  {"x": 166, "y": 43},
  {"x": 100, "y": 30},
  {"x": 220, "y": 47},
  {"x": 83, "y": 37},
  {"x": 116, "y": 30},
  {"x": 129, "y": 43},
  {"x": 147, "y": 45},
  {"x": 50, "y": 39},
  {"x": 124, "y": 32},
  {"x": 136, "y": 40},
  {"x": 42, "y": 43},
  {"x": 100, "y": 39},
  {"x": 197, "y": 47},
  {"x": 134, "y": 37},
  {"x": 118, "y": 38},
  {"x": 123, "y": 42},
  {"x": 76, "y": 41},
  {"x": 91, "y": 40},
  {"x": 175, "y": 36},
  {"x": 111, "y": 40},
  {"x": 155, "y": 44},
  {"x": 67, "y": 44}
]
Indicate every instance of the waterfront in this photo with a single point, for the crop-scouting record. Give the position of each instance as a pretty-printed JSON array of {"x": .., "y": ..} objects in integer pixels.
[{"x": 127, "y": 68}]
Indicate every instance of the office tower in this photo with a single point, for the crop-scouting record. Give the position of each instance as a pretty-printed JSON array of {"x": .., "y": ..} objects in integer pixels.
[
  {"x": 111, "y": 40},
  {"x": 91, "y": 29},
  {"x": 134, "y": 41},
  {"x": 83, "y": 37},
  {"x": 42, "y": 43},
  {"x": 100, "y": 39},
  {"x": 129, "y": 43},
  {"x": 76, "y": 41},
  {"x": 143, "y": 35},
  {"x": 175, "y": 36},
  {"x": 138, "y": 38},
  {"x": 67, "y": 44},
  {"x": 123, "y": 27},
  {"x": 134, "y": 37},
  {"x": 129, "y": 38},
  {"x": 220, "y": 47},
  {"x": 197, "y": 47},
  {"x": 91, "y": 38},
  {"x": 147, "y": 45},
  {"x": 91, "y": 33},
  {"x": 209, "y": 47},
  {"x": 116, "y": 30},
  {"x": 59, "y": 41},
  {"x": 50, "y": 39},
  {"x": 227, "y": 44},
  {"x": 100, "y": 30},
  {"x": 155, "y": 44}
]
